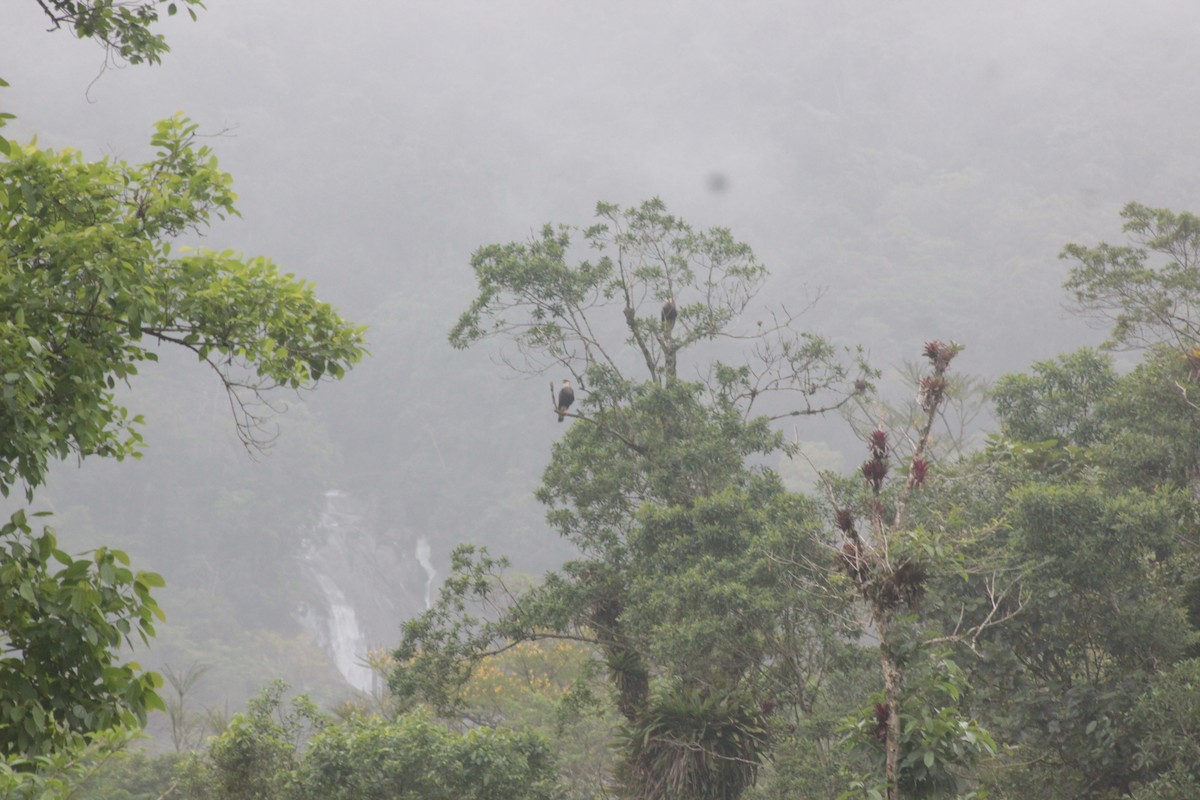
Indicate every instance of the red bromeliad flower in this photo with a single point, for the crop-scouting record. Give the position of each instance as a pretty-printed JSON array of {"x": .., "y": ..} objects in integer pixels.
[
  {"x": 874, "y": 471},
  {"x": 845, "y": 520},
  {"x": 930, "y": 392},
  {"x": 882, "y": 714},
  {"x": 940, "y": 354},
  {"x": 918, "y": 471},
  {"x": 878, "y": 443}
]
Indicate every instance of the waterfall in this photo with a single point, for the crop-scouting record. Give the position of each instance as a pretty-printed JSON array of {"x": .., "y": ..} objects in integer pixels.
[
  {"x": 360, "y": 585},
  {"x": 427, "y": 565},
  {"x": 344, "y": 639}
]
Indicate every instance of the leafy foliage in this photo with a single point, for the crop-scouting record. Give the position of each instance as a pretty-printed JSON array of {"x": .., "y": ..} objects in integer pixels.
[
  {"x": 88, "y": 280},
  {"x": 1062, "y": 676},
  {"x": 1167, "y": 715},
  {"x": 575, "y": 317},
  {"x": 1097, "y": 521},
  {"x": 124, "y": 28},
  {"x": 62, "y": 624},
  {"x": 1058, "y": 401},
  {"x": 134, "y": 774},
  {"x": 88, "y": 284},
  {"x": 939, "y": 742},
  {"x": 289, "y": 751},
  {"x": 1145, "y": 302},
  {"x": 691, "y": 744},
  {"x": 62, "y": 772},
  {"x": 552, "y": 687},
  {"x": 256, "y": 755},
  {"x": 696, "y": 571},
  {"x": 415, "y": 757}
]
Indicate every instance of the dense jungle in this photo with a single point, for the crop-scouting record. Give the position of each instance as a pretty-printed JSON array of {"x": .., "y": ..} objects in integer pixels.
[{"x": 661, "y": 401}]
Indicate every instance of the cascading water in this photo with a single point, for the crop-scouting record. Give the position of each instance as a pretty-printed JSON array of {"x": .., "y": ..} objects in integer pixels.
[
  {"x": 363, "y": 586},
  {"x": 426, "y": 564},
  {"x": 345, "y": 639}
]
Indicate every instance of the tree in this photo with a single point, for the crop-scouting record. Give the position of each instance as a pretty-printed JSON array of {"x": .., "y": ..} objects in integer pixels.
[
  {"x": 256, "y": 756},
  {"x": 890, "y": 563},
  {"x": 89, "y": 285},
  {"x": 183, "y": 722},
  {"x": 694, "y": 582},
  {"x": 279, "y": 750},
  {"x": 1093, "y": 481},
  {"x": 1145, "y": 303},
  {"x": 1096, "y": 521},
  {"x": 1084, "y": 502},
  {"x": 89, "y": 281},
  {"x": 415, "y": 757},
  {"x": 1058, "y": 401},
  {"x": 63, "y": 622}
]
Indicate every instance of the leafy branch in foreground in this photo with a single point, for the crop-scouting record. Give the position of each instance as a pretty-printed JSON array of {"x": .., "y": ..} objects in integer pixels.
[
  {"x": 88, "y": 285},
  {"x": 88, "y": 282},
  {"x": 123, "y": 28},
  {"x": 62, "y": 624},
  {"x": 89, "y": 288}
]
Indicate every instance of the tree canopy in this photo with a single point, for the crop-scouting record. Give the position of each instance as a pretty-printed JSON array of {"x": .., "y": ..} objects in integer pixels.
[
  {"x": 288, "y": 750},
  {"x": 1030, "y": 604},
  {"x": 1146, "y": 302},
  {"x": 91, "y": 282},
  {"x": 123, "y": 28},
  {"x": 678, "y": 586},
  {"x": 93, "y": 277}
]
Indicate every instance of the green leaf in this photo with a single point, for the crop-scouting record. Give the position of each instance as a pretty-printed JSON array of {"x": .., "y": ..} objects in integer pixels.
[{"x": 151, "y": 579}]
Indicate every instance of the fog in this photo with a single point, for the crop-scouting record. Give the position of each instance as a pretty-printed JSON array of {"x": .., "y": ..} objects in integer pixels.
[
  {"x": 920, "y": 163},
  {"x": 936, "y": 151}
]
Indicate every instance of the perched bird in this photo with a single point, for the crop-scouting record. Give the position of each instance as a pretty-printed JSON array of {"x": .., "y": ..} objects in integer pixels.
[
  {"x": 566, "y": 396},
  {"x": 669, "y": 313}
]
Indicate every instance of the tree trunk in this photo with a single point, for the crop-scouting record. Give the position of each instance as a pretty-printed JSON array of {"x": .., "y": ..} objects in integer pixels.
[{"x": 893, "y": 681}]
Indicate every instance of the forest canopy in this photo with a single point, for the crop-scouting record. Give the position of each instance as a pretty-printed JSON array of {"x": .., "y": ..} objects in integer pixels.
[
  {"x": 1020, "y": 599},
  {"x": 791, "y": 569}
]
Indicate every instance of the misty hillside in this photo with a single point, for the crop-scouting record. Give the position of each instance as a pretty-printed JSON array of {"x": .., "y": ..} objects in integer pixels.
[{"x": 917, "y": 165}]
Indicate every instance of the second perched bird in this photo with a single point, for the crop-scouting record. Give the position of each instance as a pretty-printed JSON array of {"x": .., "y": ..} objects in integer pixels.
[
  {"x": 566, "y": 396},
  {"x": 669, "y": 313}
]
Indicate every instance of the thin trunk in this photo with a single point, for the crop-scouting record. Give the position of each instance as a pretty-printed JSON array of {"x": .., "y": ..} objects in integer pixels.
[{"x": 893, "y": 682}]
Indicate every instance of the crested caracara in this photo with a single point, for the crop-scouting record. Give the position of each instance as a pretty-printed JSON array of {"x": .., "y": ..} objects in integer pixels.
[
  {"x": 566, "y": 396},
  {"x": 669, "y": 313}
]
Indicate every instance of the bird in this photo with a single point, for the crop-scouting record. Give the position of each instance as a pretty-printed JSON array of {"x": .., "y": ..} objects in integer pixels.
[
  {"x": 669, "y": 313},
  {"x": 566, "y": 396}
]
